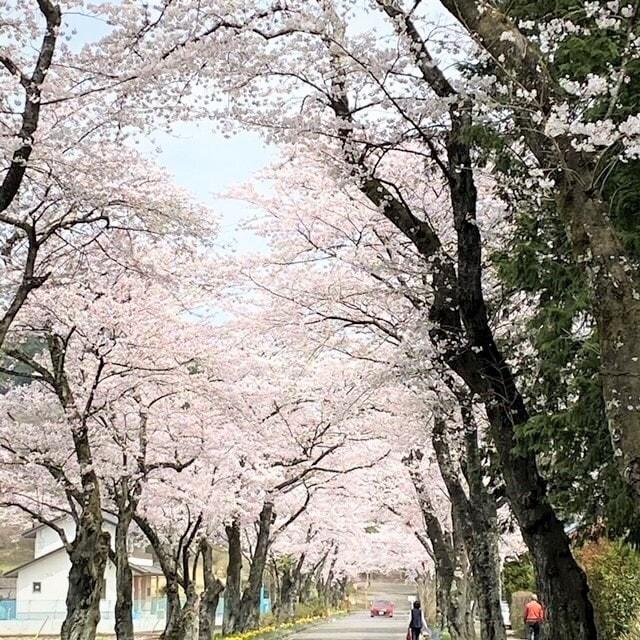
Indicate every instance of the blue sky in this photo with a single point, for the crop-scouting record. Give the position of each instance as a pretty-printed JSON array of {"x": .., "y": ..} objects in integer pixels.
[
  {"x": 203, "y": 160},
  {"x": 207, "y": 164},
  {"x": 200, "y": 159}
]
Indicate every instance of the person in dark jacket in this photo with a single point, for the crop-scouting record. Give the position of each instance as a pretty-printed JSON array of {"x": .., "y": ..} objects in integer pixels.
[{"x": 417, "y": 623}]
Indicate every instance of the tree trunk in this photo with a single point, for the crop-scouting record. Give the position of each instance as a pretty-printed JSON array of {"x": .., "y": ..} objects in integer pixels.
[
  {"x": 459, "y": 323},
  {"x": 322, "y": 584},
  {"x": 427, "y": 595},
  {"x": 286, "y": 598},
  {"x": 234, "y": 572},
  {"x": 210, "y": 597},
  {"x": 189, "y": 615},
  {"x": 442, "y": 599},
  {"x": 250, "y": 602},
  {"x": 482, "y": 366},
  {"x": 90, "y": 548},
  {"x": 182, "y": 621},
  {"x": 291, "y": 585},
  {"x": 462, "y": 592},
  {"x": 340, "y": 593},
  {"x": 124, "y": 579},
  {"x": 449, "y": 560},
  {"x": 476, "y": 517},
  {"x": 88, "y": 555},
  {"x": 306, "y": 587},
  {"x": 173, "y": 623},
  {"x": 89, "y": 551},
  {"x": 276, "y": 589},
  {"x": 615, "y": 286}
]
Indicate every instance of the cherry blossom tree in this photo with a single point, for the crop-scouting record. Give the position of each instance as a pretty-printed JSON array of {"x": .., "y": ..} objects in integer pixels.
[
  {"x": 331, "y": 272},
  {"x": 393, "y": 135},
  {"x": 71, "y": 180},
  {"x": 102, "y": 342},
  {"x": 180, "y": 516},
  {"x": 572, "y": 126},
  {"x": 340, "y": 99},
  {"x": 345, "y": 532},
  {"x": 302, "y": 428}
]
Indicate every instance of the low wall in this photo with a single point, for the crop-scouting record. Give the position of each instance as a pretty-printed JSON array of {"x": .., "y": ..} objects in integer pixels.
[{"x": 51, "y": 626}]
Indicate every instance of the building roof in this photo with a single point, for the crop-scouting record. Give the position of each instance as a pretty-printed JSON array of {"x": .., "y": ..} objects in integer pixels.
[
  {"x": 145, "y": 570},
  {"x": 138, "y": 569}
]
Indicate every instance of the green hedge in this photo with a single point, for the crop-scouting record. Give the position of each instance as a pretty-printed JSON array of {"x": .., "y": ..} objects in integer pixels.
[
  {"x": 613, "y": 573},
  {"x": 634, "y": 631},
  {"x": 518, "y": 575}
]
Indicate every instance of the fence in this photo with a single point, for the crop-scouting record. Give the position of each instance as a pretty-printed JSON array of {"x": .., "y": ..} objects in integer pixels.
[
  {"x": 7, "y": 609},
  {"x": 32, "y": 617},
  {"x": 41, "y": 609},
  {"x": 154, "y": 607},
  {"x": 45, "y": 617}
]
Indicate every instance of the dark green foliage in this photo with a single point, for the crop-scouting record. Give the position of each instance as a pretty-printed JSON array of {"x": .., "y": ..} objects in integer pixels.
[
  {"x": 622, "y": 190},
  {"x": 517, "y": 575},
  {"x": 601, "y": 53},
  {"x": 568, "y": 430},
  {"x": 536, "y": 9}
]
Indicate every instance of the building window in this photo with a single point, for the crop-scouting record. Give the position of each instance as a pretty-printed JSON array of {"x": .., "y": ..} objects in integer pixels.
[{"x": 37, "y": 587}]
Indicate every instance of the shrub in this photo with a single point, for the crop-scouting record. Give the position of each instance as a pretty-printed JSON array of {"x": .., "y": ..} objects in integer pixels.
[
  {"x": 518, "y": 575},
  {"x": 613, "y": 573},
  {"x": 311, "y": 609},
  {"x": 634, "y": 630}
]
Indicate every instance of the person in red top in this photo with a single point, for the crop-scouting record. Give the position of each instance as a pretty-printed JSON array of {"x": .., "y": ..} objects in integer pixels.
[{"x": 533, "y": 618}]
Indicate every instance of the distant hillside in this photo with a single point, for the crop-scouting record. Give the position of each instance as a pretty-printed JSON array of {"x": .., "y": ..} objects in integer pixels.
[{"x": 14, "y": 550}]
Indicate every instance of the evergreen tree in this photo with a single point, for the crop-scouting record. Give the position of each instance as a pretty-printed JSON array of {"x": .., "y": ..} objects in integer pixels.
[{"x": 569, "y": 431}]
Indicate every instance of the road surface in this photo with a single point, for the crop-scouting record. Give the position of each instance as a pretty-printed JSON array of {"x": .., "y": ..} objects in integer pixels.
[{"x": 359, "y": 626}]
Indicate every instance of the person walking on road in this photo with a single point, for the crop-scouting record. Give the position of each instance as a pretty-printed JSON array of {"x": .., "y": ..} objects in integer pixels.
[
  {"x": 417, "y": 624},
  {"x": 533, "y": 618}
]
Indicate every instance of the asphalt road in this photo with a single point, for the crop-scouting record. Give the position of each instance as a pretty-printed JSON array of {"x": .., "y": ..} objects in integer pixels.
[{"x": 359, "y": 626}]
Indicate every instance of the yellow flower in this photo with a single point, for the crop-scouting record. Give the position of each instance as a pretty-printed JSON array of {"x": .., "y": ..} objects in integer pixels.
[{"x": 263, "y": 631}]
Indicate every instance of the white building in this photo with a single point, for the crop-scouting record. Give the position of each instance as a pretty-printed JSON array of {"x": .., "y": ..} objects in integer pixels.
[{"x": 41, "y": 586}]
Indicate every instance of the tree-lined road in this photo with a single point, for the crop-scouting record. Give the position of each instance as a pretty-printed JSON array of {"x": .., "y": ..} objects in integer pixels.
[
  {"x": 305, "y": 393},
  {"x": 359, "y": 626}
]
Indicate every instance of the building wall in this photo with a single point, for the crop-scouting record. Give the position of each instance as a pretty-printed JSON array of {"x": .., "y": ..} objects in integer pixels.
[
  {"x": 43, "y": 613},
  {"x": 48, "y": 539},
  {"x": 52, "y": 573}
]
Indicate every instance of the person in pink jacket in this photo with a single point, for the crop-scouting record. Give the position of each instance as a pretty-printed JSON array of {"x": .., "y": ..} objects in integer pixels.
[{"x": 533, "y": 618}]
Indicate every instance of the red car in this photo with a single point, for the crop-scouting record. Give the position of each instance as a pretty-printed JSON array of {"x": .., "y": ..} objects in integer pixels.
[{"x": 382, "y": 608}]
